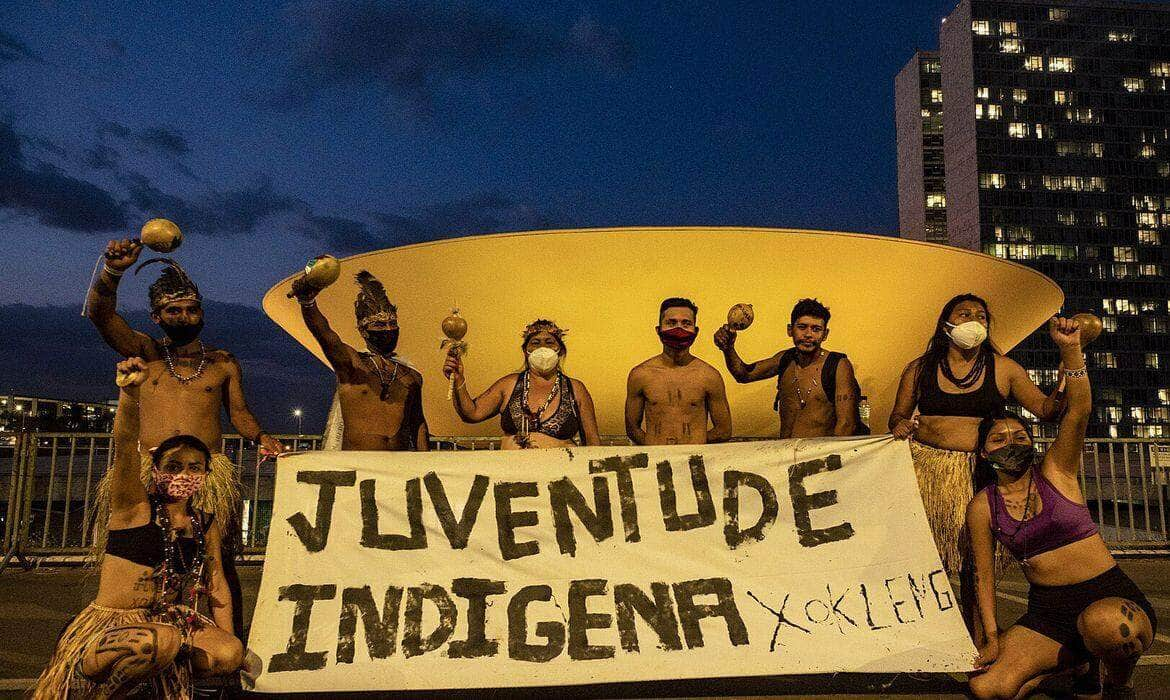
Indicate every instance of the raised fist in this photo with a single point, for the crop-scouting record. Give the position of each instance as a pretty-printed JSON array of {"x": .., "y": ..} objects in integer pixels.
[
  {"x": 725, "y": 338},
  {"x": 120, "y": 255}
]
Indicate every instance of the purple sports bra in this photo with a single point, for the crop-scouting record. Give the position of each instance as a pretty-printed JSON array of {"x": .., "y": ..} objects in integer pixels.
[{"x": 1059, "y": 522}]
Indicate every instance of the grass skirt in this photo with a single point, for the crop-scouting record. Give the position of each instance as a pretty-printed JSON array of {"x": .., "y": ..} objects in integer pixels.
[
  {"x": 171, "y": 683},
  {"x": 219, "y": 496},
  {"x": 946, "y": 483}
]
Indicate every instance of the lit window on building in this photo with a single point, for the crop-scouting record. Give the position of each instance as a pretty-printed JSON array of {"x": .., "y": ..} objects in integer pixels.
[
  {"x": 1164, "y": 169},
  {"x": 1121, "y": 36},
  {"x": 1068, "y": 218},
  {"x": 1019, "y": 95},
  {"x": 1074, "y": 183},
  {"x": 933, "y": 66},
  {"x": 1146, "y": 218},
  {"x": 1100, "y": 219},
  {"x": 1082, "y": 115},
  {"x": 1109, "y": 324},
  {"x": 1152, "y": 360},
  {"x": 1119, "y": 306},
  {"x": 982, "y": 93},
  {"x": 1111, "y": 414},
  {"x": 1059, "y": 97},
  {"x": 1040, "y": 131},
  {"x": 993, "y": 181},
  {"x": 1149, "y": 237},
  {"x": 1034, "y": 63},
  {"x": 936, "y": 95},
  {"x": 1105, "y": 360},
  {"x": 1042, "y": 377},
  {"x": 1149, "y": 305},
  {"x": 1160, "y": 69},
  {"x": 981, "y": 27},
  {"x": 1019, "y": 130},
  {"x": 1075, "y": 148},
  {"x": 1008, "y": 28},
  {"x": 1057, "y": 14},
  {"x": 978, "y": 110},
  {"x": 1060, "y": 64},
  {"x": 936, "y": 201},
  {"x": 1150, "y": 270},
  {"x": 1011, "y": 46},
  {"x": 1155, "y": 324},
  {"x": 1164, "y": 396},
  {"x": 1134, "y": 84},
  {"x": 994, "y": 111},
  {"x": 1122, "y": 271},
  {"x": 1147, "y": 151}
]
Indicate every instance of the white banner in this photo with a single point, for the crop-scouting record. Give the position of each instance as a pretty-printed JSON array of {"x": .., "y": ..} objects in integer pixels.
[{"x": 393, "y": 571}]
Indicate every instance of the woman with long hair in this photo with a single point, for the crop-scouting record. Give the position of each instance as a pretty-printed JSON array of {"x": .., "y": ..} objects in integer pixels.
[
  {"x": 1081, "y": 606},
  {"x": 162, "y": 559},
  {"x": 539, "y": 406},
  {"x": 958, "y": 380}
]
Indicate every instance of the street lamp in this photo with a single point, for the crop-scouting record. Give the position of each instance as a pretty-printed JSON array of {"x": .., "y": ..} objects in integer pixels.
[{"x": 299, "y": 415}]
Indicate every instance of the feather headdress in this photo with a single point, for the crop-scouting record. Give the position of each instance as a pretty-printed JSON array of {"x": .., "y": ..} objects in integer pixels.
[
  {"x": 173, "y": 285},
  {"x": 372, "y": 304}
]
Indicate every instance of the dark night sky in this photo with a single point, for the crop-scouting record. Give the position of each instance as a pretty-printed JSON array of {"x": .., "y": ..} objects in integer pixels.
[{"x": 274, "y": 131}]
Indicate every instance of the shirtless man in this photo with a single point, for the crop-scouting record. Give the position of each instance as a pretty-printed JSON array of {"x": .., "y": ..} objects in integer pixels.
[
  {"x": 381, "y": 397},
  {"x": 670, "y": 396},
  {"x": 806, "y": 408},
  {"x": 187, "y": 385}
]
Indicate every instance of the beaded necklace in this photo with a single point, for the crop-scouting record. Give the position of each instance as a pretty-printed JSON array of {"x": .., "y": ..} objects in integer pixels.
[
  {"x": 1028, "y": 500},
  {"x": 805, "y": 396},
  {"x": 170, "y": 361},
  {"x": 386, "y": 384},
  {"x": 185, "y": 586},
  {"x": 522, "y": 436},
  {"x": 968, "y": 380}
]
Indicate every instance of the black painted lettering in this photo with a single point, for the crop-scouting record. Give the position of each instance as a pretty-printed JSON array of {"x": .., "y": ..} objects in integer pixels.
[
  {"x": 458, "y": 531},
  {"x": 295, "y": 657},
  {"x": 732, "y": 532},
  {"x": 690, "y": 612},
  {"x": 838, "y": 614},
  {"x": 944, "y": 594},
  {"x": 897, "y": 604},
  {"x": 413, "y": 641},
  {"x": 869, "y": 611},
  {"x": 581, "y": 620},
  {"x": 658, "y": 613},
  {"x": 508, "y": 520},
  {"x": 552, "y": 632},
  {"x": 803, "y": 502},
  {"x": 917, "y": 593},
  {"x": 315, "y": 536},
  {"x": 621, "y": 466},
  {"x": 564, "y": 496},
  {"x": 476, "y": 591},
  {"x": 705, "y": 508},
  {"x": 381, "y": 630},
  {"x": 374, "y": 539}
]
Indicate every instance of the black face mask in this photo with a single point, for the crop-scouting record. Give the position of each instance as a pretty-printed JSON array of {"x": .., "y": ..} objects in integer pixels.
[
  {"x": 182, "y": 333},
  {"x": 382, "y": 342},
  {"x": 1012, "y": 460}
]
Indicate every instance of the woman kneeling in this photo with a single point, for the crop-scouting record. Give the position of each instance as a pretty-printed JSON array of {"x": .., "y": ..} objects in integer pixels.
[
  {"x": 161, "y": 558},
  {"x": 1081, "y": 606}
]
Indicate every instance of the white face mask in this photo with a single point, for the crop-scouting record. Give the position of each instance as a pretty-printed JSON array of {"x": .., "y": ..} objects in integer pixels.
[
  {"x": 543, "y": 360},
  {"x": 967, "y": 335}
]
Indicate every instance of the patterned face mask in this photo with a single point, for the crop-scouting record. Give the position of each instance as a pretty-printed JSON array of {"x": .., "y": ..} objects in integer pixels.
[{"x": 177, "y": 486}]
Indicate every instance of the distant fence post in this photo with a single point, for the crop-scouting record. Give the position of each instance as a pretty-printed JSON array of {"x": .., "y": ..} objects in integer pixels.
[{"x": 17, "y": 521}]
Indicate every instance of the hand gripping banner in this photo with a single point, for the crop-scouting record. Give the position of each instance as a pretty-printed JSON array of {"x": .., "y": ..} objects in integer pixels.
[{"x": 396, "y": 571}]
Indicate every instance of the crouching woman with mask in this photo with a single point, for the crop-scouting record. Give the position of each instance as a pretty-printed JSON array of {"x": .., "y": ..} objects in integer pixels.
[
  {"x": 1081, "y": 606},
  {"x": 538, "y": 407},
  {"x": 162, "y": 558}
]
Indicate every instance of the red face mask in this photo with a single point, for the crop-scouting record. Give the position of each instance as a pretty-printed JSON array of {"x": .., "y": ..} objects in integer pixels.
[{"x": 678, "y": 338}]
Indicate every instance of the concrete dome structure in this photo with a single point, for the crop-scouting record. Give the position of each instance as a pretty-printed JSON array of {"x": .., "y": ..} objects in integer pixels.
[{"x": 605, "y": 285}]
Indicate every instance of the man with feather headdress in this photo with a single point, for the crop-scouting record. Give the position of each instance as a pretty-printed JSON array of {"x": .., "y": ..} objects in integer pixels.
[
  {"x": 380, "y": 396},
  {"x": 187, "y": 385}
]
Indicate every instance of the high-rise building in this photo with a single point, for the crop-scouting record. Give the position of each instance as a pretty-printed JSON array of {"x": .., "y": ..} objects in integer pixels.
[
  {"x": 922, "y": 199},
  {"x": 1056, "y": 143}
]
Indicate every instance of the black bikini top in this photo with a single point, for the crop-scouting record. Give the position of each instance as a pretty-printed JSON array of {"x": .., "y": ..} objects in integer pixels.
[
  {"x": 143, "y": 545},
  {"x": 982, "y": 402},
  {"x": 563, "y": 424}
]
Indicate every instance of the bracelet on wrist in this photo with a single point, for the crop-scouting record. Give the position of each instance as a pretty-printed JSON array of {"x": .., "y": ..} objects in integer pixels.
[
  {"x": 111, "y": 271},
  {"x": 308, "y": 303},
  {"x": 1081, "y": 371}
]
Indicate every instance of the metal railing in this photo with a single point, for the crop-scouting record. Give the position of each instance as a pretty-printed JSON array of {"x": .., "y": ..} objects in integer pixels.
[{"x": 49, "y": 483}]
